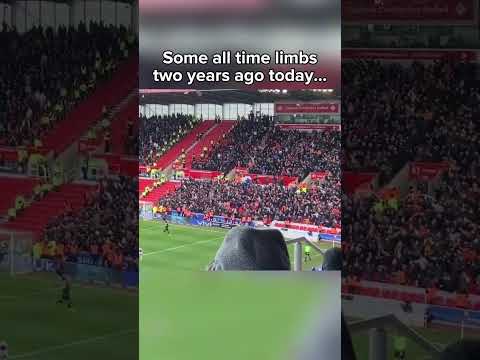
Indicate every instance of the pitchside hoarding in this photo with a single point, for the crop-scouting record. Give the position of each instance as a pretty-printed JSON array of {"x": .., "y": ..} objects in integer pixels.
[{"x": 308, "y": 108}]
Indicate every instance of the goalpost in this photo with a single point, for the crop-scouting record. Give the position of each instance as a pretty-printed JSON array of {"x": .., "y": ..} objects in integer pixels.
[
  {"x": 145, "y": 210},
  {"x": 16, "y": 252},
  {"x": 297, "y": 255}
]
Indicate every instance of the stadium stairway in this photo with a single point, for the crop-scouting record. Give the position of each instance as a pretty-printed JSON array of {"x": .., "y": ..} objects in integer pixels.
[
  {"x": 186, "y": 143},
  {"x": 127, "y": 109},
  {"x": 142, "y": 184},
  {"x": 161, "y": 191},
  {"x": 83, "y": 116},
  {"x": 214, "y": 135},
  {"x": 11, "y": 187},
  {"x": 36, "y": 217},
  {"x": 118, "y": 117}
]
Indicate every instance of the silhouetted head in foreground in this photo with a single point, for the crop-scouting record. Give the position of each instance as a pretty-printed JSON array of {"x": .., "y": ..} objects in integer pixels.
[
  {"x": 332, "y": 260},
  {"x": 462, "y": 350},
  {"x": 247, "y": 249}
]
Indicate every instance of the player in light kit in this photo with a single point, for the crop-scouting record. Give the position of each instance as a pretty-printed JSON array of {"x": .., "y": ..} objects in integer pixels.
[
  {"x": 140, "y": 253},
  {"x": 308, "y": 250}
]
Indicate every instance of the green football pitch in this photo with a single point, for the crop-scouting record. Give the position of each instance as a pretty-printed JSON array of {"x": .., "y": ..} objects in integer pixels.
[
  {"x": 187, "y": 313},
  {"x": 235, "y": 316},
  {"x": 191, "y": 248},
  {"x": 103, "y": 323}
]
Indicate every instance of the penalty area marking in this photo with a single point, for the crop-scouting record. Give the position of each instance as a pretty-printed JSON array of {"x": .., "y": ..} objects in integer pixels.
[
  {"x": 181, "y": 246},
  {"x": 72, "y": 344}
]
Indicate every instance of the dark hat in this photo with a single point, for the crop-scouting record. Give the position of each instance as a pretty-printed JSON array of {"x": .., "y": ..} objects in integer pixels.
[
  {"x": 245, "y": 249},
  {"x": 332, "y": 260}
]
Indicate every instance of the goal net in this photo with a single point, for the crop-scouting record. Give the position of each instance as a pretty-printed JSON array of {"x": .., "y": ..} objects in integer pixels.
[
  {"x": 145, "y": 210},
  {"x": 16, "y": 252}
]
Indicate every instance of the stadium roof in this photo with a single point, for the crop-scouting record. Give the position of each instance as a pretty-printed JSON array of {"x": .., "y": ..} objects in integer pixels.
[{"x": 229, "y": 96}]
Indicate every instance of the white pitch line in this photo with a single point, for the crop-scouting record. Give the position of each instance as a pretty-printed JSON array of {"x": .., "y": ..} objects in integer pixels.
[
  {"x": 200, "y": 228},
  {"x": 181, "y": 246},
  {"x": 73, "y": 343}
]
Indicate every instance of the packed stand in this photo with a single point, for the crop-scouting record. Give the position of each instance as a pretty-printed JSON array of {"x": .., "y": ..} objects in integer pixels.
[
  {"x": 430, "y": 237},
  {"x": 103, "y": 233},
  {"x": 45, "y": 73},
  {"x": 428, "y": 242},
  {"x": 319, "y": 205},
  {"x": 261, "y": 147},
  {"x": 389, "y": 109},
  {"x": 159, "y": 133}
]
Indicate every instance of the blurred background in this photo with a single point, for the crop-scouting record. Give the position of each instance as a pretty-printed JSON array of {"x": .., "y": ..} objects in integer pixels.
[
  {"x": 254, "y": 25},
  {"x": 68, "y": 178}
]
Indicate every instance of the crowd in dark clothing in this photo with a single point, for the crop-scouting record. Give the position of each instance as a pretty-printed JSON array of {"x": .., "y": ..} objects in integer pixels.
[
  {"x": 390, "y": 109},
  {"x": 320, "y": 205},
  {"x": 261, "y": 147},
  {"x": 159, "y": 133},
  {"x": 431, "y": 239},
  {"x": 46, "y": 72},
  {"x": 105, "y": 231}
]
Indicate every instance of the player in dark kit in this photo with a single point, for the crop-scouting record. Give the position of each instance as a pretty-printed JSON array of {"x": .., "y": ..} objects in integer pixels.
[
  {"x": 66, "y": 297},
  {"x": 60, "y": 268},
  {"x": 166, "y": 227}
]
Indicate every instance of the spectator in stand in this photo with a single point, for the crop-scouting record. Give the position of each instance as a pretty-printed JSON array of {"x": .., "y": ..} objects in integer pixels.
[
  {"x": 390, "y": 110},
  {"x": 105, "y": 231},
  {"x": 431, "y": 239},
  {"x": 159, "y": 134},
  {"x": 261, "y": 147},
  {"x": 319, "y": 205},
  {"x": 73, "y": 60}
]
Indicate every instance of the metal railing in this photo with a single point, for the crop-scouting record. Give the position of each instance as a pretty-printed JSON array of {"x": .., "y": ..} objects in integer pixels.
[{"x": 297, "y": 254}]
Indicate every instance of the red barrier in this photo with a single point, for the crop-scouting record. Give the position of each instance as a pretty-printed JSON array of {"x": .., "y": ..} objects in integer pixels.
[
  {"x": 269, "y": 179},
  {"x": 265, "y": 179},
  {"x": 122, "y": 165},
  {"x": 318, "y": 175},
  {"x": 129, "y": 166},
  {"x": 426, "y": 170},
  {"x": 9, "y": 154},
  {"x": 201, "y": 174},
  {"x": 351, "y": 181},
  {"x": 310, "y": 127},
  {"x": 307, "y": 227}
]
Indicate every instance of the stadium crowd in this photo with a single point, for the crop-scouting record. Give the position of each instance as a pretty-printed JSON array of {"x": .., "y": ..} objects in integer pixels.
[
  {"x": 104, "y": 232},
  {"x": 319, "y": 205},
  {"x": 431, "y": 238},
  {"x": 160, "y": 133},
  {"x": 261, "y": 147},
  {"x": 389, "y": 109},
  {"x": 59, "y": 68}
]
